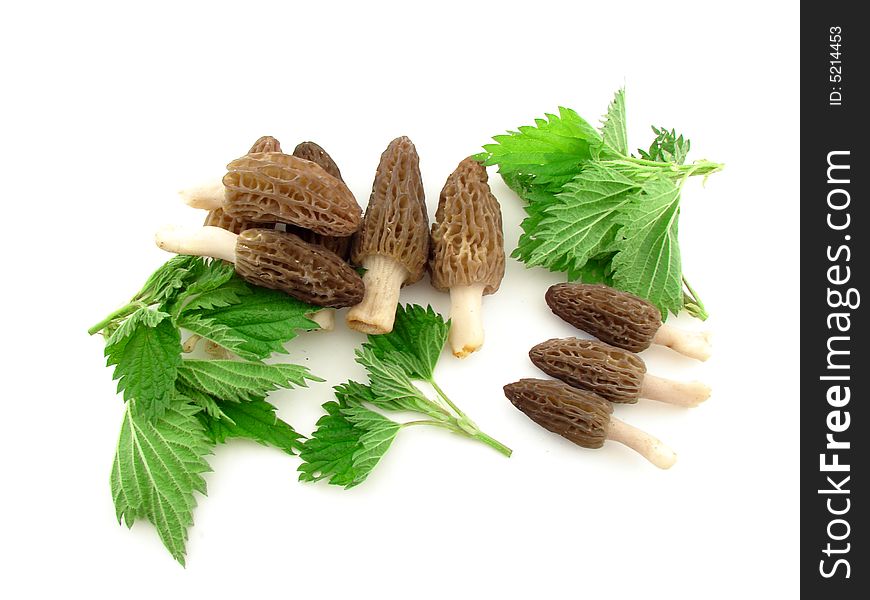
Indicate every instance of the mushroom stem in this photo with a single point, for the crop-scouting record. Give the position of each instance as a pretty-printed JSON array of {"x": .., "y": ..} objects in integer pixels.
[
  {"x": 190, "y": 344},
  {"x": 641, "y": 442},
  {"x": 694, "y": 344},
  {"x": 207, "y": 196},
  {"x": 383, "y": 279},
  {"x": 207, "y": 241},
  {"x": 466, "y": 327},
  {"x": 324, "y": 317},
  {"x": 681, "y": 393},
  {"x": 217, "y": 351}
]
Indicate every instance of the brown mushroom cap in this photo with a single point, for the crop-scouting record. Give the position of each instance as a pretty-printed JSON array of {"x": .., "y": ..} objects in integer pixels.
[
  {"x": 270, "y": 187},
  {"x": 612, "y": 373},
  {"x": 467, "y": 237},
  {"x": 265, "y": 144},
  {"x": 218, "y": 218},
  {"x": 618, "y": 318},
  {"x": 577, "y": 415},
  {"x": 396, "y": 223},
  {"x": 282, "y": 261},
  {"x": 316, "y": 154}
]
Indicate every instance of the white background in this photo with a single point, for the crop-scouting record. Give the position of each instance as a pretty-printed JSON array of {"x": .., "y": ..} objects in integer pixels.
[{"x": 108, "y": 111}]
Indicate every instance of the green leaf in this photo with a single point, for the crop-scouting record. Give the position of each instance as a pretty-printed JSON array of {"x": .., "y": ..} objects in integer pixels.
[
  {"x": 142, "y": 317},
  {"x": 146, "y": 363},
  {"x": 164, "y": 283},
  {"x": 648, "y": 263},
  {"x": 264, "y": 320},
  {"x": 255, "y": 420},
  {"x": 415, "y": 343},
  {"x": 613, "y": 128},
  {"x": 667, "y": 147},
  {"x": 219, "y": 334},
  {"x": 547, "y": 154},
  {"x": 236, "y": 381},
  {"x": 347, "y": 444},
  {"x": 581, "y": 223},
  {"x": 229, "y": 293},
  {"x": 391, "y": 387},
  {"x": 158, "y": 466}
]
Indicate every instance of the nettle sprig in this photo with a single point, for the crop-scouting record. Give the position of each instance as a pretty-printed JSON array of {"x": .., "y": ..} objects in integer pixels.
[
  {"x": 353, "y": 436},
  {"x": 178, "y": 409},
  {"x": 595, "y": 211}
]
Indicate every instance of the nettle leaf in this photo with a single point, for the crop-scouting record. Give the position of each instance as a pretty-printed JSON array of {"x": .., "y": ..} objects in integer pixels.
[
  {"x": 346, "y": 446},
  {"x": 613, "y": 127},
  {"x": 582, "y": 222},
  {"x": 221, "y": 335},
  {"x": 157, "y": 468},
  {"x": 236, "y": 381},
  {"x": 146, "y": 363},
  {"x": 547, "y": 154},
  {"x": 255, "y": 420},
  {"x": 415, "y": 343},
  {"x": 231, "y": 292},
  {"x": 264, "y": 320},
  {"x": 142, "y": 317},
  {"x": 648, "y": 263},
  {"x": 164, "y": 283},
  {"x": 667, "y": 147}
]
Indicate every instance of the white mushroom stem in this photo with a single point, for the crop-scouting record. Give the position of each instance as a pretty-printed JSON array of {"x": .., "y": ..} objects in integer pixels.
[
  {"x": 641, "y": 442},
  {"x": 206, "y": 241},
  {"x": 324, "y": 317},
  {"x": 466, "y": 319},
  {"x": 216, "y": 350},
  {"x": 681, "y": 393},
  {"x": 207, "y": 196},
  {"x": 694, "y": 344},
  {"x": 190, "y": 343},
  {"x": 383, "y": 279}
]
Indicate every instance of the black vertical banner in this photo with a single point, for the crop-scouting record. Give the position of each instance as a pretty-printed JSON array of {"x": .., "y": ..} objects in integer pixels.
[{"x": 835, "y": 371}]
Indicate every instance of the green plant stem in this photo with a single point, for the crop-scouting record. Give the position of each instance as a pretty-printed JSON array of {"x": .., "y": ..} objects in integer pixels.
[
  {"x": 449, "y": 402},
  {"x": 122, "y": 312},
  {"x": 451, "y": 426},
  {"x": 696, "y": 307}
]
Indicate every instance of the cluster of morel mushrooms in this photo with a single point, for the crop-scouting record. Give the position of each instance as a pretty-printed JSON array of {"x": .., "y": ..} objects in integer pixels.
[{"x": 289, "y": 222}]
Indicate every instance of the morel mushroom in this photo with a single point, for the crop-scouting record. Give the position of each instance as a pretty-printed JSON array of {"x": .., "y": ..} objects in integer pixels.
[
  {"x": 276, "y": 260},
  {"x": 467, "y": 251},
  {"x": 613, "y": 373},
  {"x": 583, "y": 418},
  {"x": 271, "y": 187},
  {"x": 622, "y": 319},
  {"x": 314, "y": 153},
  {"x": 393, "y": 241}
]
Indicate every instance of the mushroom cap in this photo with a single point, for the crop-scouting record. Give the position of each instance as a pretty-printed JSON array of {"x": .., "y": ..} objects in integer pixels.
[
  {"x": 396, "y": 223},
  {"x": 612, "y": 373},
  {"x": 218, "y": 218},
  {"x": 618, "y": 318},
  {"x": 265, "y": 144},
  {"x": 339, "y": 245},
  {"x": 282, "y": 261},
  {"x": 577, "y": 415},
  {"x": 270, "y": 187},
  {"x": 316, "y": 154},
  {"x": 467, "y": 236}
]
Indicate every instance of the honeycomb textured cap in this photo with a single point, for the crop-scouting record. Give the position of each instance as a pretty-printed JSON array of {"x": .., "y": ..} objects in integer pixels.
[
  {"x": 396, "y": 223},
  {"x": 270, "y": 187},
  {"x": 265, "y": 144},
  {"x": 339, "y": 245},
  {"x": 468, "y": 236},
  {"x": 618, "y": 318},
  {"x": 282, "y": 261},
  {"x": 577, "y": 415},
  {"x": 218, "y": 218},
  {"x": 316, "y": 154},
  {"x": 612, "y": 373}
]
